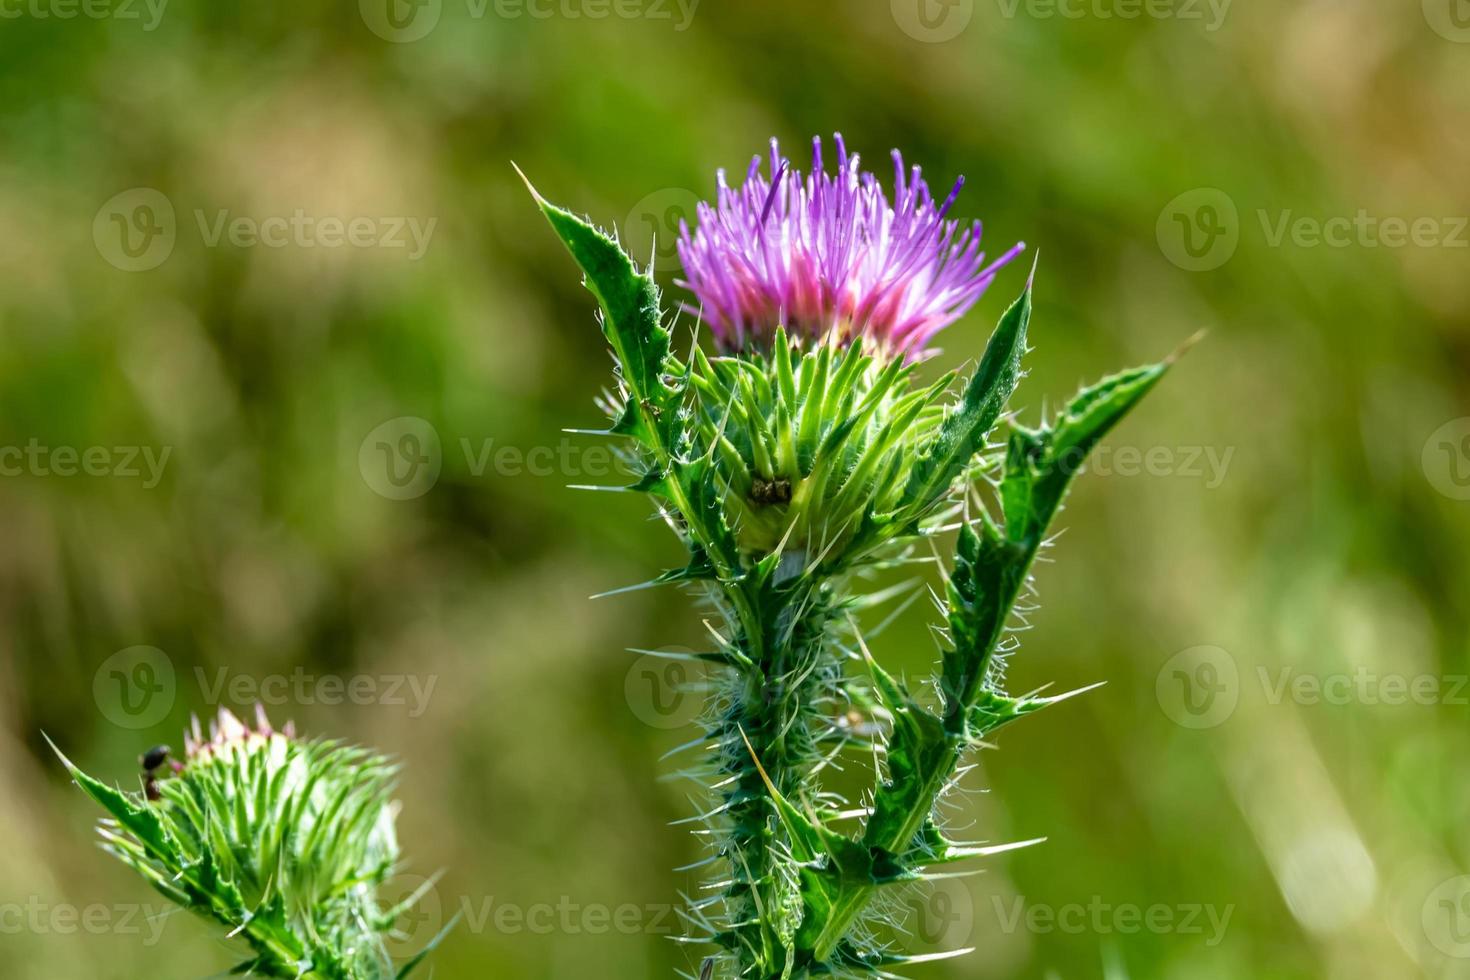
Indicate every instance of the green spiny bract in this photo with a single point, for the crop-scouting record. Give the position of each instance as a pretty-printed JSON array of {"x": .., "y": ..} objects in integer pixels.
[
  {"x": 812, "y": 444},
  {"x": 787, "y": 472},
  {"x": 282, "y": 841}
]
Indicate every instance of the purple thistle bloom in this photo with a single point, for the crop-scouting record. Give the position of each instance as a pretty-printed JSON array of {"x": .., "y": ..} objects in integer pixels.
[{"x": 827, "y": 255}]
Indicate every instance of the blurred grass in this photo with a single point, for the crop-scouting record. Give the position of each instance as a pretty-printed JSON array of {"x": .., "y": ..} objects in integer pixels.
[{"x": 1324, "y": 547}]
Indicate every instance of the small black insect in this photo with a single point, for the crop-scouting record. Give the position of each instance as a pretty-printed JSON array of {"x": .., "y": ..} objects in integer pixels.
[
  {"x": 152, "y": 761},
  {"x": 155, "y": 757},
  {"x": 766, "y": 492}
]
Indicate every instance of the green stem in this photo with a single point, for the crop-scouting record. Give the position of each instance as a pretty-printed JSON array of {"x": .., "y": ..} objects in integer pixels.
[
  {"x": 849, "y": 905},
  {"x": 777, "y": 708}
]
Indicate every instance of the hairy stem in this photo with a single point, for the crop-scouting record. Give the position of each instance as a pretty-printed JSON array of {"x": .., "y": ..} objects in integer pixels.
[{"x": 776, "y": 715}]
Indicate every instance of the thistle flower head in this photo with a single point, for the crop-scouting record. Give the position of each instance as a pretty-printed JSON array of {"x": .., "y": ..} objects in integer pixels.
[
  {"x": 828, "y": 256},
  {"x": 284, "y": 841},
  {"x": 228, "y": 735}
]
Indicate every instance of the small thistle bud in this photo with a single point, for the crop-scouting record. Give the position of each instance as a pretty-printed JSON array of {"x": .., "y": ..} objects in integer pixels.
[{"x": 283, "y": 841}]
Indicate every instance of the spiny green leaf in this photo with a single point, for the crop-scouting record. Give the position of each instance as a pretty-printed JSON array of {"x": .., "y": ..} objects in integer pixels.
[
  {"x": 137, "y": 820},
  {"x": 629, "y": 299},
  {"x": 963, "y": 433}
]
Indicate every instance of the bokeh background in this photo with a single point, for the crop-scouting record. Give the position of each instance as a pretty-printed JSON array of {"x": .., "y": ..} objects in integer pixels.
[{"x": 1267, "y": 567}]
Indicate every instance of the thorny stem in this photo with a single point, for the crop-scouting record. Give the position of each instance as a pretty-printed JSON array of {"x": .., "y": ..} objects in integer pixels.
[{"x": 776, "y": 713}]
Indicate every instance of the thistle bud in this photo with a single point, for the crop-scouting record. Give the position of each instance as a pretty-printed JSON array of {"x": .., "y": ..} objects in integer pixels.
[{"x": 283, "y": 841}]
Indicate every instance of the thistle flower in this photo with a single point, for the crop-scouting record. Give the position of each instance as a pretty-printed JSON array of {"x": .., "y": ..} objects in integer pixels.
[
  {"x": 228, "y": 735},
  {"x": 827, "y": 255},
  {"x": 789, "y": 467},
  {"x": 283, "y": 841}
]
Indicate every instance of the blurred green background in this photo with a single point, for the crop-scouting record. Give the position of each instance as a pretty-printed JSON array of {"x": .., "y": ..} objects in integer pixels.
[{"x": 1268, "y": 567}]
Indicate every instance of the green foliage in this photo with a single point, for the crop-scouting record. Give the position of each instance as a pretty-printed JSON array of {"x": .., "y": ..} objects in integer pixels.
[
  {"x": 631, "y": 319},
  {"x": 812, "y": 445},
  {"x": 784, "y": 472},
  {"x": 283, "y": 842},
  {"x": 966, "y": 428}
]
